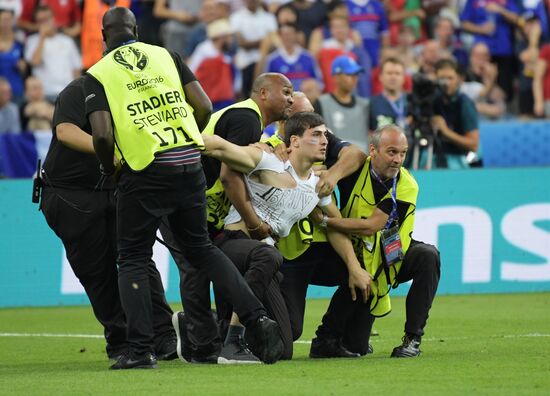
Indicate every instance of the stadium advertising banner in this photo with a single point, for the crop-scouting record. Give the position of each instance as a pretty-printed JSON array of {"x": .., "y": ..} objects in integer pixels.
[{"x": 491, "y": 226}]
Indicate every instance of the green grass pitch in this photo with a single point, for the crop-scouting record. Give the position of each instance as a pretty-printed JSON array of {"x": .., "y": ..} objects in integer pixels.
[{"x": 474, "y": 345}]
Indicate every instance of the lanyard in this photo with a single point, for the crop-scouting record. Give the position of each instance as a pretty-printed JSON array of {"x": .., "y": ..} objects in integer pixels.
[
  {"x": 398, "y": 108},
  {"x": 393, "y": 194}
]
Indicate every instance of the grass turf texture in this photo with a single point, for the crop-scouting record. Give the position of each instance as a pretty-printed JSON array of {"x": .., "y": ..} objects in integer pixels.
[{"x": 483, "y": 344}]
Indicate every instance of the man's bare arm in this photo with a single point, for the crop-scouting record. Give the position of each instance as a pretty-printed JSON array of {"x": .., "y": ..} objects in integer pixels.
[
  {"x": 103, "y": 139},
  {"x": 238, "y": 158},
  {"x": 358, "y": 277},
  {"x": 74, "y": 138},
  {"x": 349, "y": 160}
]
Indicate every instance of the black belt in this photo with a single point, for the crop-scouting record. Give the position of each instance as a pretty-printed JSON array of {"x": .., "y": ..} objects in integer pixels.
[{"x": 174, "y": 169}]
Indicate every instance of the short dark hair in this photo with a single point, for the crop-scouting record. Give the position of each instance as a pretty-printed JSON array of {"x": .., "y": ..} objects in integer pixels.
[
  {"x": 391, "y": 59},
  {"x": 300, "y": 122},
  {"x": 446, "y": 63}
]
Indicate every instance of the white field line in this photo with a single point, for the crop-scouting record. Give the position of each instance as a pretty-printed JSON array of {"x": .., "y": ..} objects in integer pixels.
[{"x": 373, "y": 339}]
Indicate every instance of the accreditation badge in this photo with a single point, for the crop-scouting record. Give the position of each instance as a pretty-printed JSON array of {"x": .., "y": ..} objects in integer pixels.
[{"x": 391, "y": 245}]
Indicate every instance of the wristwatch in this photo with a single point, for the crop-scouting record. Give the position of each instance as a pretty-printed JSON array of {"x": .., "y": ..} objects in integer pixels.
[{"x": 324, "y": 222}]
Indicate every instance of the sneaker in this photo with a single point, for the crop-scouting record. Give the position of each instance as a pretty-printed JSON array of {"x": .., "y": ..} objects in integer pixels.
[
  {"x": 168, "y": 350},
  {"x": 265, "y": 340},
  {"x": 409, "y": 348},
  {"x": 148, "y": 361},
  {"x": 237, "y": 353},
  {"x": 329, "y": 348},
  {"x": 370, "y": 349},
  {"x": 183, "y": 349}
]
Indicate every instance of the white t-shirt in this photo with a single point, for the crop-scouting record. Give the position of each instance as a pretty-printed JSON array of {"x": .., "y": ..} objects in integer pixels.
[
  {"x": 280, "y": 207},
  {"x": 252, "y": 26},
  {"x": 60, "y": 59}
]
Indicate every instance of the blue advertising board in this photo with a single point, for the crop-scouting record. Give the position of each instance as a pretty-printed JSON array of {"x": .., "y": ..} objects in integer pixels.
[{"x": 492, "y": 227}]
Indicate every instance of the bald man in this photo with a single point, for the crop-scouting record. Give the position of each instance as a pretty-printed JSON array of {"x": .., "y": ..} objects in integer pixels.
[{"x": 149, "y": 103}]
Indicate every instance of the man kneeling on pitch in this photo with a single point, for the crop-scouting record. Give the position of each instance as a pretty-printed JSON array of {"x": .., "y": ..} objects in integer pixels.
[{"x": 281, "y": 193}]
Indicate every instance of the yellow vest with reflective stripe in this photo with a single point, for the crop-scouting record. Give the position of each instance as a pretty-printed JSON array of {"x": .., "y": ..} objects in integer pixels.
[
  {"x": 216, "y": 200},
  {"x": 147, "y": 103},
  {"x": 361, "y": 204}
]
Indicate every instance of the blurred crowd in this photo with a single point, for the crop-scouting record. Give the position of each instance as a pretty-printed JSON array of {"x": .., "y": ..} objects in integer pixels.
[{"x": 499, "y": 46}]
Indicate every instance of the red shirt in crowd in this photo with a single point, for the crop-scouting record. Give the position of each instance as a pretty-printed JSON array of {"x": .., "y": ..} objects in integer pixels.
[{"x": 66, "y": 12}]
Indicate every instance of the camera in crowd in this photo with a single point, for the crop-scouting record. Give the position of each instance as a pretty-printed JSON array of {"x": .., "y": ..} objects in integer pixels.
[{"x": 421, "y": 103}]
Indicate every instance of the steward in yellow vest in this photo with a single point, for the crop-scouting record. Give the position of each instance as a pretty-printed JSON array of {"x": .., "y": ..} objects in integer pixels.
[
  {"x": 379, "y": 206},
  {"x": 242, "y": 124},
  {"x": 148, "y": 103}
]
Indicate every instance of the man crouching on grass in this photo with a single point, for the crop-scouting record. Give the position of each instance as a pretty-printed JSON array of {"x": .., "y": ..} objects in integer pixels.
[{"x": 281, "y": 192}]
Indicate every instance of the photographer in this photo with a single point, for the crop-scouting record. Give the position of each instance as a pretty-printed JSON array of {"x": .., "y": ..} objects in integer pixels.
[{"x": 456, "y": 119}]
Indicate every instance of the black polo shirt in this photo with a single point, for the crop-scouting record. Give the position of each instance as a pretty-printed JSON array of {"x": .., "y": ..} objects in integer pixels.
[{"x": 65, "y": 167}]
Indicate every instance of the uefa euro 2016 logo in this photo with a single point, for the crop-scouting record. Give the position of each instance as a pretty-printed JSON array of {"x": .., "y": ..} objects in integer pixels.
[{"x": 131, "y": 58}]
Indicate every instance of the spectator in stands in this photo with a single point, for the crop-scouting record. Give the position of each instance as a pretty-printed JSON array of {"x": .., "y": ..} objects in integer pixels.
[
  {"x": 311, "y": 14},
  {"x": 338, "y": 10},
  {"x": 53, "y": 55},
  {"x": 539, "y": 11},
  {"x": 457, "y": 120},
  {"x": 213, "y": 66},
  {"x": 541, "y": 83},
  {"x": 211, "y": 10},
  {"x": 312, "y": 89},
  {"x": 528, "y": 47},
  {"x": 480, "y": 83},
  {"x": 492, "y": 22},
  {"x": 91, "y": 40},
  {"x": 9, "y": 112},
  {"x": 251, "y": 25},
  {"x": 181, "y": 16},
  {"x": 445, "y": 34},
  {"x": 345, "y": 113},
  {"x": 36, "y": 112},
  {"x": 285, "y": 15},
  {"x": 340, "y": 42},
  {"x": 291, "y": 59},
  {"x": 368, "y": 17},
  {"x": 67, "y": 15},
  {"x": 390, "y": 106},
  {"x": 376, "y": 84},
  {"x": 430, "y": 54},
  {"x": 404, "y": 13},
  {"x": 12, "y": 65},
  {"x": 406, "y": 50}
]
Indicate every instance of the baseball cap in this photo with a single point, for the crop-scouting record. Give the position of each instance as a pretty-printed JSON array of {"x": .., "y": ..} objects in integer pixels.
[
  {"x": 345, "y": 65},
  {"x": 218, "y": 28}
]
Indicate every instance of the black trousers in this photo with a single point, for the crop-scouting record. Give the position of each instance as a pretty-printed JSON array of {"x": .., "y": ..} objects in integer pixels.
[
  {"x": 421, "y": 265},
  {"x": 319, "y": 265},
  {"x": 84, "y": 220},
  {"x": 259, "y": 263},
  {"x": 144, "y": 198}
]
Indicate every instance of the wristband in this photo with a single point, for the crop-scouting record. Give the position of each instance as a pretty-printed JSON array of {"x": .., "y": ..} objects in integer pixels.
[
  {"x": 256, "y": 228},
  {"x": 104, "y": 173}
]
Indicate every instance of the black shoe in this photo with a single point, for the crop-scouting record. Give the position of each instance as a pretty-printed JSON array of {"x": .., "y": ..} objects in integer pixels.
[
  {"x": 370, "y": 349},
  {"x": 149, "y": 361},
  {"x": 183, "y": 347},
  {"x": 237, "y": 353},
  {"x": 329, "y": 348},
  {"x": 168, "y": 350},
  {"x": 409, "y": 348},
  {"x": 265, "y": 340}
]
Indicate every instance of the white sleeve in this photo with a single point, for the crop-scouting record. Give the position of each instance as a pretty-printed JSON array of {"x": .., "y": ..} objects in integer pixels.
[
  {"x": 325, "y": 201},
  {"x": 270, "y": 162}
]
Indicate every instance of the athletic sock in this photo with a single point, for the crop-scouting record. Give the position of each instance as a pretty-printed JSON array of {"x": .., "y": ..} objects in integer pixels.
[{"x": 233, "y": 334}]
